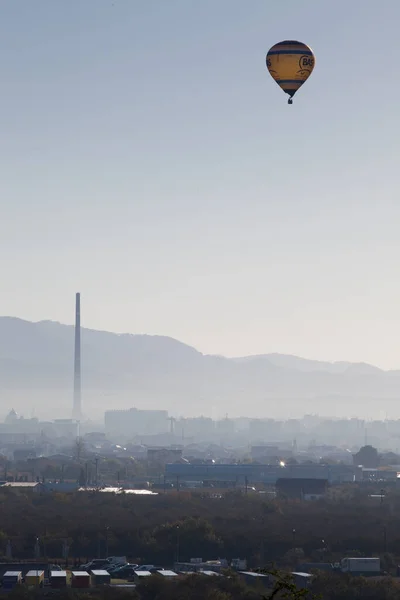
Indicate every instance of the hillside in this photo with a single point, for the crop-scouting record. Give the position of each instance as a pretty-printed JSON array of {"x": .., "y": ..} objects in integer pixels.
[{"x": 36, "y": 364}]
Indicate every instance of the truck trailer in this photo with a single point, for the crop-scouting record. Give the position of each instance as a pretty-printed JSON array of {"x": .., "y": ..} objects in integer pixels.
[{"x": 361, "y": 566}]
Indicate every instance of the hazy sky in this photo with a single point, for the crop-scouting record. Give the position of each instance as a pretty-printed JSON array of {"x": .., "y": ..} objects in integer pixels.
[{"x": 149, "y": 161}]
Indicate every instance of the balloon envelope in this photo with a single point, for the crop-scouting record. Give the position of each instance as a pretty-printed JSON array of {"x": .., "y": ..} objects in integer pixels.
[{"x": 290, "y": 63}]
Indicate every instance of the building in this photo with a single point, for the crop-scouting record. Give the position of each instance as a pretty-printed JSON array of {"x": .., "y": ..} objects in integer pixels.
[
  {"x": 264, "y": 429},
  {"x": 61, "y": 487},
  {"x": 301, "y": 489},
  {"x": 32, "y": 432},
  {"x": 265, "y": 453},
  {"x": 225, "y": 427},
  {"x": 195, "y": 428},
  {"x": 249, "y": 474},
  {"x": 60, "y": 428},
  {"x": 160, "y": 455},
  {"x": 24, "y": 453},
  {"x": 383, "y": 475},
  {"x": 255, "y": 579},
  {"x": 134, "y": 421},
  {"x": 66, "y": 428},
  {"x": 26, "y": 486},
  {"x": 17, "y": 430}
]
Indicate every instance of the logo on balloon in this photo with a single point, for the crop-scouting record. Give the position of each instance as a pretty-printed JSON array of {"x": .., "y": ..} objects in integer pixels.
[{"x": 306, "y": 63}]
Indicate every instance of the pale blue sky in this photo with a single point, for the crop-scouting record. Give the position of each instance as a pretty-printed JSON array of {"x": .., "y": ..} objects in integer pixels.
[{"x": 149, "y": 161}]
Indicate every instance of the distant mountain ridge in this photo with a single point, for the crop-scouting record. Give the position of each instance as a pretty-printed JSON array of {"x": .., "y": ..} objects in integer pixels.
[
  {"x": 289, "y": 361},
  {"x": 124, "y": 370}
]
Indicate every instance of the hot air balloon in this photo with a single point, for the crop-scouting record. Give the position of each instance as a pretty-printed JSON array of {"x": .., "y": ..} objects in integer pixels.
[{"x": 290, "y": 63}]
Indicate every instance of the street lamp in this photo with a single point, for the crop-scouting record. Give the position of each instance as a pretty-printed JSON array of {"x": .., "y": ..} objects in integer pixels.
[
  {"x": 37, "y": 548},
  {"x": 177, "y": 543},
  {"x": 107, "y": 530},
  {"x": 37, "y": 555}
]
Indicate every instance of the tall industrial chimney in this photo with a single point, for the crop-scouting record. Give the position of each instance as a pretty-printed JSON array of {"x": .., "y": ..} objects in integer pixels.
[{"x": 77, "y": 408}]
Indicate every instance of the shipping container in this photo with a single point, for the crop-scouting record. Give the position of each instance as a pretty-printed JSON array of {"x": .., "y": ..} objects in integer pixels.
[
  {"x": 139, "y": 576},
  {"x": 58, "y": 579},
  {"x": 100, "y": 577},
  {"x": 80, "y": 579},
  {"x": 11, "y": 579},
  {"x": 35, "y": 578},
  {"x": 302, "y": 580}
]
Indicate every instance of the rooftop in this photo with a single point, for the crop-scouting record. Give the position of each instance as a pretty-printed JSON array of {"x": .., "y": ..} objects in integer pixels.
[{"x": 24, "y": 484}]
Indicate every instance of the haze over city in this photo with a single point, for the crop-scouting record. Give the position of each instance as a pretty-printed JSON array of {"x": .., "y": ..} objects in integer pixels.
[{"x": 199, "y": 300}]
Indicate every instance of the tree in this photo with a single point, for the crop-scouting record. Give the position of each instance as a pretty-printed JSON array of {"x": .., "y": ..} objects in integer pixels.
[
  {"x": 285, "y": 588},
  {"x": 367, "y": 456},
  {"x": 79, "y": 448}
]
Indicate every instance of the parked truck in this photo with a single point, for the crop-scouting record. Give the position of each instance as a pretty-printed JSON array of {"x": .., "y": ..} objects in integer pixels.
[{"x": 361, "y": 566}]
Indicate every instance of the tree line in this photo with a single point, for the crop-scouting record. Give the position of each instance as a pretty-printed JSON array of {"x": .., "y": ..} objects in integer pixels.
[{"x": 159, "y": 529}]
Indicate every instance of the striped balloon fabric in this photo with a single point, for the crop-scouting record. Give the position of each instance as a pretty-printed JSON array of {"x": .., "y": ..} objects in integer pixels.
[{"x": 290, "y": 63}]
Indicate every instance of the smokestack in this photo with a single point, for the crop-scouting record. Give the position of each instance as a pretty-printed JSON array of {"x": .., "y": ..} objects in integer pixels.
[{"x": 77, "y": 407}]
